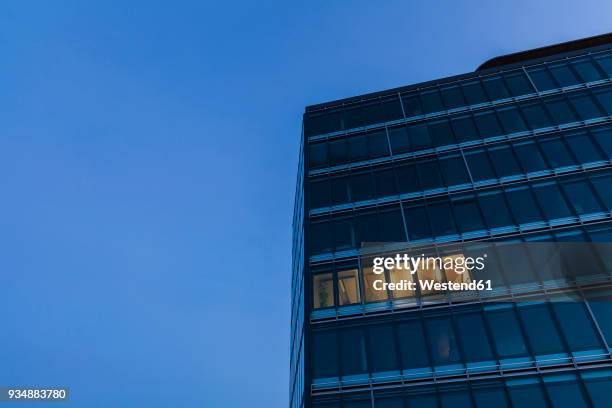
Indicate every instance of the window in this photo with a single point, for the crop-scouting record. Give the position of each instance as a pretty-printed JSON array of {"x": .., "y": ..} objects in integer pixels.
[
  {"x": 325, "y": 357},
  {"x": 600, "y": 302},
  {"x": 564, "y": 391},
  {"x": 319, "y": 194},
  {"x": 605, "y": 62},
  {"x": 417, "y": 222},
  {"x": 464, "y": 129},
  {"x": 407, "y": 179},
  {"x": 580, "y": 196},
  {"x": 326, "y": 122},
  {"x": 605, "y": 99},
  {"x": 391, "y": 225},
  {"x": 467, "y": 214},
  {"x": 511, "y": 120},
  {"x": 518, "y": 83},
  {"x": 560, "y": 110},
  {"x": 369, "y": 278},
  {"x": 598, "y": 384},
  {"x": 585, "y": 106},
  {"x": 563, "y": 74},
  {"x": 474, "y": 93},
  {"x": 443, "y": 346},
  {"x": 429, "y": 174},
  {"x": 353, "y": 352},
  {"x": 489, "y": 395},
  {"x": 455, "y": 399},
  {"x": 479, "y": 165},
  {"x": 557, "y": 153},
  {"x": 603, "y": 186},
  {"x": 551, "y": 200},
  {"x": 357, "y": 147},
  {"x": 398, "y": 137},
  {"x": 396, "y": 275},
  {"x": 340, "y": 190},
  {"x": 487, "y": 124},
  {"x": 348, "y": 287},
  {"x": 385, "y": 183},
  {"x": 441, "y": 133},
  {"x": 584, "y": 148},
  {"x": 541, "y": 79},
  {"x": 366, "y": 229},
  {"x": 431, "y": 101},
  {"x": 526, "y": 393},
  {"x": 412, "y": 105},
  {"x": 361, "y": 187},
  {"x": 419, "y": 137},
  {"x": 342, "y": 234},
  {"x": 441, "y": 218},
  {"x": 337, "y": 152},
  {"x": 586, "y": 70},
  {"x": 529, "y": 156},
  {"x": 495, "y": 209},
  {"x": 323, "y": 289},
  {"x": 318, "y": 155},
  {"x": 540, "y": 329},
  {"x": 536, "y": 115},
  {"x": 453, "y": 170},
  {"x": 320, "y": 238},
  {"x": 503, "y": 161},
  {"x": 495, "y": 88},
  {"x": 576, "y": 325},
  {"x": 603, "y": 137},
  {"x": 452, "y": 97},
  {"x": 523, "y": 205},
  {"x": 474, "y": 339},
  {"x": 382, "y": 350},
  {"x": 378, "y": 144},
  {"x": 506, "y": 333},
  {"x": 413, "y": 348}
]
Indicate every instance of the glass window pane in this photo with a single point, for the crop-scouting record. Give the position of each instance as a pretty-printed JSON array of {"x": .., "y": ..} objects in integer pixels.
[
  {"x": 504, "y": 162},
  {"x": 541, "y": 79},
  {"x": 605, "y": 99},
  {"x": 431, "y": 101},
  {"x": 495, "y": 210},
  {"x": 348, "y": 287},
  {"x": 506, "y": 332},
  {"x": 452, "y": 97},
  {"x": 563, "y": 74},
  {"x": 518, "y": 83},
  {"x": 467, "y": 214},
  {"x": 557, "y": 153},
  {"x": 419, "y": 136},
  {"x": 429, "y": 174},
  {"x": 378, "y": 144},
  {"x": 535, "y": 115},
  {"x": 474, "y": 339},
  {"x": 357, "y": 147},
  {"x": 511, "y": 120},
  {"x": 560, "y": 111},
  {"x": 391, "y": 225},
  {"x": 528, "y": 395},
  {"x": 605, "y": 62},
  {"x": 397, "y": 275},
  {"x": 382, "y": 350},
  {"x": 487, "y": 124},
  {"x": 453, "y": 170},
  {"x": 581, "y": 196},
  {"x": 495, "y": 88},
  {"x": 318, "y": 155},
  {"x": 603, "y": 187},
  {"x": 540, "y": 329},
  {"x": 441, "y": 133},
  {"x": 443, "y": 345},
  {"x": 320, "y": 195},
  {"x": 412, "y": 345},
  {"x": 325, "y": 358},
  {"x": 369, "y": 281},
  {"x": 412, "y": 105},
  {"x": 338, "y": 153},
  {"x": 584, "y": 148},
  {"x": 385, "y": 183},
  {"x": 340, "y": 190},
  {"x": 441, "y": 218},
  {"x": 407, "y": 179},
  {"x": 399, "y": 140},
  {"x": 529, "y": 156},
  {"x": 585, "y": 106},
  {"x": 455, "y": 399},
  {"x": 474, "y": 93},
  {"x": 598, "y": 385},
  {"x": 417, "y": 222},
  {"x": 576, "y": 325},
  {"x": 342, "y": 234},
  {"x": 323, "y": 290},
  {"x": 586, "y": 70},
  {"x": 600, "y": 302},
  {"x": 565, "y": 394},
  {"x": 603, "y": 137},
  {"x": 353, "y": 352},
  {"x": 551, "y": 200},
  {"x": 320, "y": 238},
  {"x": 523, "y": 205},
  {"x": 489, "y": 396},
  {"x": 464, "y": 129},
  {"x": 361, "y": 187},
  {"x": 366, "y": 229},
  {"x": 479, "y": 165}
]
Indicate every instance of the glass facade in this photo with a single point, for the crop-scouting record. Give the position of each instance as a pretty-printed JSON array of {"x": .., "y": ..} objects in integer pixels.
[{"x": 514, "y": 153}]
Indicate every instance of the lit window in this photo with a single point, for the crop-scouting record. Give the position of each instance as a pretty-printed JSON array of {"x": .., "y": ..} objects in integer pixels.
[
  {"x": 348, "y": 287},
  {"x": 323, "y": 289}
]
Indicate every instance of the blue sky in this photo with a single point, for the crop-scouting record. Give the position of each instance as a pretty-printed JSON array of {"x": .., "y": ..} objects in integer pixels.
[{"x": 148, "y": 154}]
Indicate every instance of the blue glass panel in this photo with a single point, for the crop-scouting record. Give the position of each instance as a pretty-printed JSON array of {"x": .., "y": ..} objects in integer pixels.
[
  {"x": 523, "y": 205},
  {"x": 464, "y": 129},
  {"x": 474, "y": 93},
  {"x": 511, "y": 119},
  {"x": 495, "y": 209},
  {"x": 453, "y": 170},
  {"x": 576, "y": 325},
  {"x": 540, "y": 329},
  {"x": 541, "y": 79},
  {"x": 503, "y": 161},
  {"x": 587, "y": 71},
  {"x": 479, "y": 165},
  {"x": 506, "y": 333},
  {"x": 529, "y": 156},
  {"x": 325, "y": 357},
  {"x": 353, "y": 352},
  {"x": 563, "y": 74},
  {"x": 585, "y": 106},
  {"x": 473, "y": 337},
  {"x": 443, "y": 345}
]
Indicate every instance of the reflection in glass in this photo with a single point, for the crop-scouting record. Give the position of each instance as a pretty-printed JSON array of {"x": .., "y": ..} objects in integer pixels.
[
  {"x": 369, "y": 277},
  {"x": 323, "y": 287},
  {"x": 348, "y": 287}
]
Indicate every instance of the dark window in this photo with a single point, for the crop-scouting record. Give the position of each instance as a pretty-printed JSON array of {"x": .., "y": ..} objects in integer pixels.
[
  {"x": 605, "y": 99},
  {"x": 453, "y": 170},
  {"x": 600, "y": 303},
  {"x": 474, "y": 93},
  {"x": 598, "y": 385},
  {"x": 495, "y": 88},
  {"x": 518, "y": 84},
  {"x": 382, "y": 351},
  {"x": 511, "y": 120},
  {"x": 503, "y": 161},
  {"x": 604, "y": 139},
  {"x": 339, "y": 190},
  {"x": 565, "y": 394},
  {"x": 563, "y": 74},
  {"x": 412, "y": 105},
  {"x": 443, "y": 346},
  {"x": 353, "y": 352},
  {"x": 342, "y": 234},
  {"x": 506, "y": 333},
  {"x": 385, "y": 183},
  {"x": 429, "y": 174},
  {"x": 318, "y": 155},
  {"x": 560, "y": 110},
  {"x": 357, "y": 147},
  {"x": 324, "y": 355},
  {"x": 474, "y": 340},
  {"x": 576, "y": 325},
  {"x": 487, "y": 124},
  {"x": 419, "y": 137},
  {"x": 378, "y": 144},
  {"x": 441, "y": 133},
  {"x": 319, "y": 195},
  {"x": 523, "y": 205},
  {"x": 479, "y": 165},
  {"x": 407, "y": 179},
  {"x": 452, "y": 97},
  {"x": 417, "y": 222},
  {"x": 455, "y": 399},
  {"x": 391, "y": 402},
  {"x": 605, "y": 62},
  {"x": 495, "y": 209},
  {"x": 431, "y": 101},
  {"x": 586, "y": 70},
  {"x": 319, "y": 124},
  {"x": 584, "y": 148},
  {"x": 412, "y": 345},
  {"x": 540, "y": 329},
  {"x": 398, "y": 137},
  {"x": 551, "y": 200},
  {"x": 536, "y": 115},
  {"x": 441, "y": 218},
  {"x": 557, "y": 153},
  {"x": 391, "y": 226},
  {"x": 423, "y": 400},
  {"x": 467, "y": 214},
  {"x": 541, "y": 79},
  {"x": 585, "y": 106},
  {"x": 464, "y": 129},
  {"x": 581, "y": 196},
  {"x": 603, "y": 186},
  {"x": 529, "y": 156},
  {"x": 361, "y": 187},
  {"x": 487, "y": 396},
  {"x": 337, "y": 151},
  {"x": 528, "y": 395},
  {"x": 320, "y": 238},
  {"x": 366, "y": 229}
]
